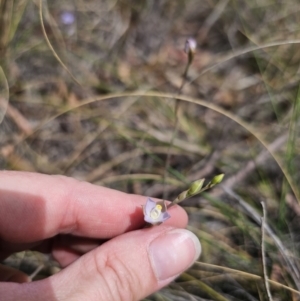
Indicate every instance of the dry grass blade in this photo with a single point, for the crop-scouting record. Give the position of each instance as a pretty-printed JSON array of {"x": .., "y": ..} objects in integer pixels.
[
  {"x": 225, "y": 58},
  {"x": 19, "y": 119},
  {"x": 125, "y": 156},
  {"x": 261, "y": 158},
  {"x": 84, "y": 144},
  {"x": 263, "y": 254},
  {"x": 291, "y": 265},
  {"x": 6, "y": 11},
  {"x": 4, "y": 94},
  {"x": 179, "y": 143},
  {"x": 220, "y": 269},
  {"x": 137, "y": 177},
  {"x": 204, "y": 287},
  {"x": 51, "y": 47},
  {"x": 211, "y": 19}
]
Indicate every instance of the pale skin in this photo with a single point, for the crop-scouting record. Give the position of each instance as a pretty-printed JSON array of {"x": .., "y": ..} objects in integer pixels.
[{"x": 96, "y": 234}]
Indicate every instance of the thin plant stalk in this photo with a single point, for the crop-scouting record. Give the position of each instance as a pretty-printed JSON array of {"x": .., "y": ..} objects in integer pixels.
[
  {"x": 190, "y": 48},
  {"x": 263, "y": 254}
]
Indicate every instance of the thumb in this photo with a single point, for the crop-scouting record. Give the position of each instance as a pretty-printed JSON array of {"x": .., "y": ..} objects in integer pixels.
[
  {"x": 133, "y": 265},
  {"x": 128, "y": 267}
]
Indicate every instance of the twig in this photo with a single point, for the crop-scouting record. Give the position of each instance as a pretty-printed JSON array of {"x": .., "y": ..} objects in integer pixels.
[{"x": 263, "y": 255}]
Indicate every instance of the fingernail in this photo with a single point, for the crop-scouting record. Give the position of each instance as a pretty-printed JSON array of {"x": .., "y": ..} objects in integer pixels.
[{"x": 173, "y": 252}]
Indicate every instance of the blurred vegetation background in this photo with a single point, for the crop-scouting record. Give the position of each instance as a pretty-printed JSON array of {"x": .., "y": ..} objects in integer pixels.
[{"x": 87, "y": 90}]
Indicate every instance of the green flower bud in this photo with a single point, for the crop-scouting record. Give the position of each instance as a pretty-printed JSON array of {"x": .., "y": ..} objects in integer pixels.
[
  {"x": 195, "y": 187},
  {"x": 217, "y": 179}
]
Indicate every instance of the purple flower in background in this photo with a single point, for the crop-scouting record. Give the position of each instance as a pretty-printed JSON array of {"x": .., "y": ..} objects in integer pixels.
[
  {"x": 67, "y": 18},
  {"x": 155, "y": 213},
  {"x": 190, "y": 45}
]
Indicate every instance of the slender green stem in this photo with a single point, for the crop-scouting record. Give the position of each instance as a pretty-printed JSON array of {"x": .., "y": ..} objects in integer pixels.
[{"x": 177, "y": 117}]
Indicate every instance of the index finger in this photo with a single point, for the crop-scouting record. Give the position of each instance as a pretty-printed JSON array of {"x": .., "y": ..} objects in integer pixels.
[{"x": 35, "y": 207}]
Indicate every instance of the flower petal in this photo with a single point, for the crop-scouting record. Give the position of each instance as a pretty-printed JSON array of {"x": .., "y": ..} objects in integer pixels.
[
  {"x": 164, "y": 216},
  {"x": 150, "y": 204},
  {"x": 149, "y": 220}
]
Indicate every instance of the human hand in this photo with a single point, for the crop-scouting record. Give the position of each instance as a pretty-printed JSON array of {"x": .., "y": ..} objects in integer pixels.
[{"x": 70, "y": 219}]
